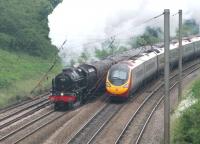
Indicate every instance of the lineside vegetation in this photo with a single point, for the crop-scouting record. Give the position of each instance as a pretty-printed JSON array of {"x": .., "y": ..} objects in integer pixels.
[
  {"x": 26, "y": 52},
  {"x": 19, "y": 73},
  {"x": 187, "y": 126}
]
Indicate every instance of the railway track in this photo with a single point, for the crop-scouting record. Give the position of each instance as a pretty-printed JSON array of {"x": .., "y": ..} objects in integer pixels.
[
  {"x": 6, "y": 121},
  {"x": 19, "y": 104},
  {"x": 156, "y": 106},
  {"x": 17, "y": 109},
  {"x": 88, "y": 132},
  {"x": 136, "y": 125},
  {"x": 20, "y": 134},
  {"x": 95, "y": 124},
  {"x": 25, "y": 126},
  {"x": 34, "y": 126}
]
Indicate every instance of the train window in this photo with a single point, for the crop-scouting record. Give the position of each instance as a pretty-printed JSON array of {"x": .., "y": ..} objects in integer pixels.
[{"x": 118, "y": 74}]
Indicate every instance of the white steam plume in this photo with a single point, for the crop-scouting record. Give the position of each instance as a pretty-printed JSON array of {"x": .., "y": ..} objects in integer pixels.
[{"x": 89, "y": 21}]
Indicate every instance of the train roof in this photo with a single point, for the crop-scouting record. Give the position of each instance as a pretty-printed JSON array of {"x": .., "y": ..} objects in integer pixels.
[{"x": 143, "y": 56}]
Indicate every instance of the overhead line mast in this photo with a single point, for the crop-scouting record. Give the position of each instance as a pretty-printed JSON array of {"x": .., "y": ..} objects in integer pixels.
[
  {"x": 180, "y": 56},
  {"x": 166, "y": 77}
]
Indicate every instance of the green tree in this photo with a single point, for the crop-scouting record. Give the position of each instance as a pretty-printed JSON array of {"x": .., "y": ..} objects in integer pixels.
[
  {"x": 187, "y": 128},
  {"x": 24, "y": 26},
  {"x": 55, "y": 2},
  {"x": 190, "y": 27},
  {"x": 150, "y": 36},
  {"x": 101, "y": 53},
  {"x": 72, "y": 62}
]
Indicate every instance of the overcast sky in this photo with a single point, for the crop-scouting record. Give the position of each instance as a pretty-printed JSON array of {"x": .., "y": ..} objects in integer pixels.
[{"x": 82, "y": 21}]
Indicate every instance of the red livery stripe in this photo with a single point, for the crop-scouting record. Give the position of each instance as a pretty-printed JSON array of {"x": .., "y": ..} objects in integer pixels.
[{"x": 62, "y": 98}]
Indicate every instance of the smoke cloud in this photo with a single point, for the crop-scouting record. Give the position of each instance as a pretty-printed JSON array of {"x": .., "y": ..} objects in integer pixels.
[{"x": 91, "y": 21}]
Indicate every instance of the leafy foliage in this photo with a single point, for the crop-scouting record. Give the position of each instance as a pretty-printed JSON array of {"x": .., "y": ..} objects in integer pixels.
[
  {"x": 19, "y": 73},
  {"x": 188, "y": 127},
  {"x": 150, "y": 36},
  {"x": 190, "y": 27},
  {"x": 24, "y": 26},
  {"x": 109, "y": 47},
  {"x": 84, "y": 57},
  {"x": 55, "y": 2},
  {"x": 196, "y": 90}
]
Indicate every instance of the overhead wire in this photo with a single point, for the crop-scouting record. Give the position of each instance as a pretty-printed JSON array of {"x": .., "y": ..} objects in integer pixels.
[
  {"x": 118, "y": 33},
  {"x": 175, "y": 14},
  {"x": 140, "y": 24},
  {"x": 112, "y": 37},
  {"x": 50, "y": 68}
]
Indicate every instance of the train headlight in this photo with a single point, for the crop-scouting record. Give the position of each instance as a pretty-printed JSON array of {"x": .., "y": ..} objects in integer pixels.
[
  {"x": 108, "y": 84},
  {"x": 62, "y": 94},
  {"x": 126, "y": 85}
]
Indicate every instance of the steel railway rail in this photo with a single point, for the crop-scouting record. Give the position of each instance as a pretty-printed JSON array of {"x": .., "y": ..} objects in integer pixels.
[
  {"x": 19, "y": 104},
  {"x": 154, "y": 109},
  {"x": 91, "y": 140},
  {"x": 25, "y": 126},
  {"x": 10, "y": 112},
  {"x": 157, "y": 101},
  {"x": 88, "y": 132},
  {"x": 32, "y": 131},
  {"x": 4, "y": 122},
  {"x": 95, "y": 124}
]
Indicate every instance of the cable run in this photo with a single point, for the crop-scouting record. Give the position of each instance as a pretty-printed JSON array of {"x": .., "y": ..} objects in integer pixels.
[
  {"x": 153, "y": 18},
  {"x": 50, "y": 68},
  {"x": 116, "y": 34},
  {"x": 175, "y": 14}
]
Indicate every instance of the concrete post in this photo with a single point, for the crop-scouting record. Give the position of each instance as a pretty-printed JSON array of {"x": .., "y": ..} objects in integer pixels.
[
  {"x": 180, "y": 56},
  {"x": 166, "y": 98}
]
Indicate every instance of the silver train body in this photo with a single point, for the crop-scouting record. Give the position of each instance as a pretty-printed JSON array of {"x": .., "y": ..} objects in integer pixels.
[{"x": 146, "y": 65}]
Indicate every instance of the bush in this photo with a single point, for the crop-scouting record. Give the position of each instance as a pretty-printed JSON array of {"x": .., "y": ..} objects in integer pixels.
[
  {"x": 187, "y": 129},
  {"x": 196, "y": 90},
  {"x": 4, "y": 82},
  {"x": 24, "y": 27}
]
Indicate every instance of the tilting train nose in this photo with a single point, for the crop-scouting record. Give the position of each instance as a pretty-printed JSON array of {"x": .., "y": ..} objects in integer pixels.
[{"x": 117, "y": 90}]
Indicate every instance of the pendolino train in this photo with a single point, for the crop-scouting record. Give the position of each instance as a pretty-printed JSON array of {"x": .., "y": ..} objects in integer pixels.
[
  {"x": 127, "y": 76},
  {"x": 76, "y": 85}
]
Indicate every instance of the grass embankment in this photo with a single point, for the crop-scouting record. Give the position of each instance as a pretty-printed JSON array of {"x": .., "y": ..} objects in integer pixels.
[
  {"x": 19, "y": 74},
  {"x": 186, "y": 128}
]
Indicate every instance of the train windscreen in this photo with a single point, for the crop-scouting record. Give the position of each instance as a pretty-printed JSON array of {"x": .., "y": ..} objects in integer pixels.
[{"x": 118, "y": 74}]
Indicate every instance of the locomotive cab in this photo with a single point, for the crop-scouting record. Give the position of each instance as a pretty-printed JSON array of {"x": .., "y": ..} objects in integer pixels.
[
  {"x": 118, "y": 80},
  {"x": 72, "y": 85}
]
